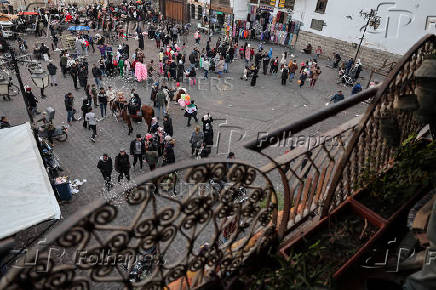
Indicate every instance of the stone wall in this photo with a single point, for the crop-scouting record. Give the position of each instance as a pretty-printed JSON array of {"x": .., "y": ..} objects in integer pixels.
[{"x": 370, "y": 57}]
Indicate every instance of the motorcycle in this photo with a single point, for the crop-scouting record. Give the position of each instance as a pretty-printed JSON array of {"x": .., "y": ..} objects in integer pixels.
[
  {"x": 59, "y": 133},
  {"x": 143, "y": 268},
  {"x": 51, "y": 161}
]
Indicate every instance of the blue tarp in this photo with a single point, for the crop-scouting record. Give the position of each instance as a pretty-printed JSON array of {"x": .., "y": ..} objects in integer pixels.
[{"x": 78, "y": 28}]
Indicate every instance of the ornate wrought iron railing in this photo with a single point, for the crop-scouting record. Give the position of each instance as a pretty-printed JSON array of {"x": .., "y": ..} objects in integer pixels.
[
  {"x": 174, "y": 223},
  {"x": 317, "y": 180},
  {"x": 205, "y": 218}
]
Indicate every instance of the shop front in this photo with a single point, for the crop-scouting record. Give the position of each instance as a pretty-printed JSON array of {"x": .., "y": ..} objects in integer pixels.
[
  {"x": 221, "y": 19},
  {"x": 271, "y": 22}
]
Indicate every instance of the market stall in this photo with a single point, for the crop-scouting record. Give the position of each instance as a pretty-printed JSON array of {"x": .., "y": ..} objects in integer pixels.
[
  {"x": 262, "y": 24},
  {"x": 26, "y": 196}
]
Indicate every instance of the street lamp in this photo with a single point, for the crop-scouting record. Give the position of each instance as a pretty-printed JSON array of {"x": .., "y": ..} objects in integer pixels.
[
  {"x": 373, "y": 21},
  {"x": 40, "y": 79}
]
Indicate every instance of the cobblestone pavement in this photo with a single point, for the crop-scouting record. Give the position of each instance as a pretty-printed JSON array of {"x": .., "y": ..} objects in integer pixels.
[{"x": 240, "y": 112}]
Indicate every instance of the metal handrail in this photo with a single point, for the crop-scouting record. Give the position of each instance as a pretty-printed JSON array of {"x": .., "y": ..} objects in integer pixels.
[
  {"x": 390, "y": 81},
  {"x": 298, "y": 126}
]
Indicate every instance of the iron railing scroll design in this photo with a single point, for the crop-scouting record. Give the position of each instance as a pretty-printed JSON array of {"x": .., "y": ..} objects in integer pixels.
[
  {"x": 182, "y": 219},
  {"x": 317, "y": 179},
  {"x": 368, "y": 151}
]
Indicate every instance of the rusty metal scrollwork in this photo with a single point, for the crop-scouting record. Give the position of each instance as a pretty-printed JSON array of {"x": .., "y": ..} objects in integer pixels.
[{"x": 184, "y": 219}]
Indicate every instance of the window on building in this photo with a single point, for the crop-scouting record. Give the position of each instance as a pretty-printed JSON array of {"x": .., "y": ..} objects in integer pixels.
[
  {"x": 321, "y": 6},
  {"x": 289, "y": 4},
  {"x": 192, "y": 11},
  {"x": 317, "y": 24}
]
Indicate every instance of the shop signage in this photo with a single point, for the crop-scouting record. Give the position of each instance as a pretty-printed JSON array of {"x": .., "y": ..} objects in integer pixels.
[{"x": 221, "y": 8}]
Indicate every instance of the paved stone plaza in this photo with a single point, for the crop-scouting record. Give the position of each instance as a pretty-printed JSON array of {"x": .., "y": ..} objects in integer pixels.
[{"x": 239, "y": 110}]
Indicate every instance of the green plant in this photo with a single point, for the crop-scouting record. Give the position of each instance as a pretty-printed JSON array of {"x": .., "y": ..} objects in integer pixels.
[
  {"x": 280, "y": 201},
  {"x": 413, "y": 169}
]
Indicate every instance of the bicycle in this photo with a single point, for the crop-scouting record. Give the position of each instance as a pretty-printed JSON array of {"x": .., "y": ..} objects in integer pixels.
[{"x": 12, "y": 90}]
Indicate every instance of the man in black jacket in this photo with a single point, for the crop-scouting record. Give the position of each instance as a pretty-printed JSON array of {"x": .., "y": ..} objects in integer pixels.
[
  {"x": 31, "y": 101},
  {"x": 52, "y": 73},
  {"x": 83, "y": 76},
  {"x": 137, "y": 149},
  {"x": 105, "y": 166},
  {"x": 69, "y": 102},
  {"x": 74, "y": 71},
  {"x": 122, "y": 165},
  {"x": 96, "y": 72}
]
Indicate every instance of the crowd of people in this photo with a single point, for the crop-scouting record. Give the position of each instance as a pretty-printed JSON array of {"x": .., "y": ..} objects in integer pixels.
[{"x": 172, "y": 66}]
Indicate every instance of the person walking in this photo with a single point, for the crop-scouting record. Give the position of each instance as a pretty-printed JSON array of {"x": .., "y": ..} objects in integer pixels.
[
  {"x": 151, "y": 152},
  {"x": 122, "y": 165},
  {"x": 254, "y": 77},
  {"x": 191, "y": 112},
  {"x": 303, "y": 78},
  {"x": 274, "y": 66},
  {"x": 83, "y": 76},
  {"x": 69, "y": 103},
  {"x": 74, "y": 71},
  {"x": 292, "y": 69},
  {"x": 339, "y": 96},
  {"x": 31, "y": 101},
  {"x": 248, "y": 56},
  {"x": 285, "y": 72},
  {"x": 206, "y": 67},
  {"x": 316, "y": 71},
  {"x": 105, "y": 166},
  {"x": 196, "y": 140},
  {"x": 63, "y": 63},
  {"x": 94, "y": 95},
  {"x": 160, "y": 103},
  {"x": 92, "y": 123},
  {"x": 86, "y": 106},
  {"x": 97, "y": 74},
  {"x": 52, "y": 73},
  {"x": 219, "y": 68},
  {"x": 102, "y": 99},
  {"x": 168, "y": 125},
  {"x": 168, "y": 151},
  {"x": 137, "y": 150},
  {"x": 266, "y": 60}
]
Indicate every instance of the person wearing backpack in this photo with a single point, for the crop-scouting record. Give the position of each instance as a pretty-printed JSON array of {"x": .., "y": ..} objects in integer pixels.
[
  {"x": 196, "y": 140},
  {"x": 160, "y": 103},
  {"x": 137, "y": 149}
]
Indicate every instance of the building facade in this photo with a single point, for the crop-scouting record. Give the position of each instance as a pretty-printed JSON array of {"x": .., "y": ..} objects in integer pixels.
[{"x": 337, "y": 25}]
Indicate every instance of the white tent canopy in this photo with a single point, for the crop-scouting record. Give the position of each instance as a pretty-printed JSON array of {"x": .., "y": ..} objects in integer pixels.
[{"x": 26, "y": 196}]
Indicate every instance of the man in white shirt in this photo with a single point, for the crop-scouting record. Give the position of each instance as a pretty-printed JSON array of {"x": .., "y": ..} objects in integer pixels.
[{"x": 92, "y": 123}]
